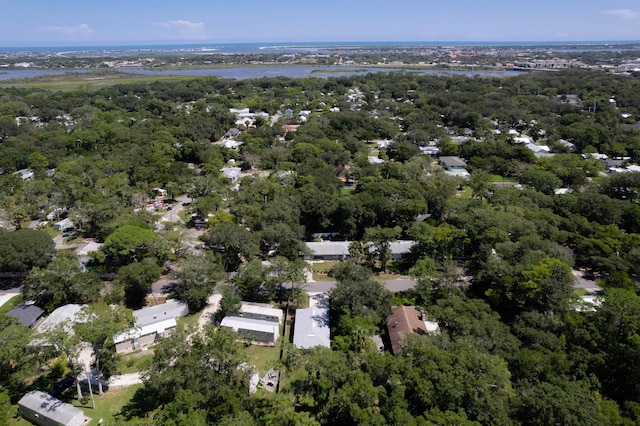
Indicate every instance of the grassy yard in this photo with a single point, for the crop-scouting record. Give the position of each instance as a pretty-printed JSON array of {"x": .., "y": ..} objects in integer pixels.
[
  {"x": 11, "y": 303},
  {"x": 108, "y": 406},
  {"x": 498, "y": 178},
  {"x": 321, "y": 269},
  {"x": 580, "y": 292},
  {"x": 134, "y": 362}
]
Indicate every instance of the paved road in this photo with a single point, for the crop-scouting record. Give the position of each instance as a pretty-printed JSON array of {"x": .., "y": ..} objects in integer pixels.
[
  {"x": 393, "y": 285},
  {"x": 173, "y": 214}
]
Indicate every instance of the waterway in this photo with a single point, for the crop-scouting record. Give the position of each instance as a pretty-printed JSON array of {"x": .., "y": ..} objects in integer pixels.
[{"x": 292, "y": 71}]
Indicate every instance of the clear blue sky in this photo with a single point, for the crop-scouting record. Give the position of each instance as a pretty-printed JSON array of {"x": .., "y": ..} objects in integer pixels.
[{"x": 95, "y": 22}]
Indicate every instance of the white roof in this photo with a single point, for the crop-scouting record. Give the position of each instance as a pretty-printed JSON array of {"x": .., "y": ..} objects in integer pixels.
[
  {"x": 231, "y": 172},
  {"x": 136, "y": 332},
  {"x": 460, "y": 173},
  {"x": 152, "y": 314},
  {"x": 60, "y": 315},
  {"x": 239, "y": 323},
  {"x": 261, "y": 310},
  {"x": 329, "y": 248},
  {"x": 341, "y": 248},
  {"x": 51, "y": 408},
  {"x": 312, "y": 328},
  {"x": 90, "y": 247}
]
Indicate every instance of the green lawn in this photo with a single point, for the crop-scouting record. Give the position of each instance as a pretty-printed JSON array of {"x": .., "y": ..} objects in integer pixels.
[
  {"x": 498, "y": 178},
  {"x": 134, "y": 362},
  {"x": 108, "y": 405},
  {"x": 11, "y": 303},
  {"x": 321, "y": 269},
  {"x": 580, "y": 292}
]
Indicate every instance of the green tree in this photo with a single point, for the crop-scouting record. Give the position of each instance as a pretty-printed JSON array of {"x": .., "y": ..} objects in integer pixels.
[
  {"x": 24, "y": 249},
  {"x": 382, "y": 239},
  {"x": 211, "y": 368},
  {"x": 540, "y": 180},
  {"x": 128, "y": 244},
  {"x": 357, "y": 294},
  {"x": 235, "y": 245},
  {"x": 97, "y": 324},
  {"x": 19, "y": 361},
  {"x": 196, "y": 280},
  {"x": 137, "y": 279},
  {"x": 59, "y": 283},
  {"x": 230, "y": 302}
]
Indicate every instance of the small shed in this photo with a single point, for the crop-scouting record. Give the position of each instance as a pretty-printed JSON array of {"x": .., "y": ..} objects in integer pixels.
[
  {"x": 42, "y": 409},
  {"x": 252, "y": 329},
  {"x": 28, "y": 315}
]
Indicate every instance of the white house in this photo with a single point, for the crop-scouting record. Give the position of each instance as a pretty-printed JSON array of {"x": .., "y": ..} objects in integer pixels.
[
  {"x": 311, "y": 328},
  {"x": 44, "y": 410},
  {"x": 253, "y": 329}
]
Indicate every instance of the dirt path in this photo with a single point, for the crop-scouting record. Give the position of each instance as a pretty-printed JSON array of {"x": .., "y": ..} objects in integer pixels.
[{"x": 207, "y": 314}]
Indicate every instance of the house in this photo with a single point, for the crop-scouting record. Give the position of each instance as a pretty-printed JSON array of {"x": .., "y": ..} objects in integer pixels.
[
  {"x": 383, "y": 144},
  {"x": 24, "y": 174},
  {"x": 373, "y": 159},
  {"x": 231, "y": 144},
  {"x": 151, "y": 314},
  {"x": 63, "y": 225},
  {"x": 290, "y": 127},
  {"x": 231, "y": 173},
  {"x": 152, "y": 324},
  {"x": 328, "y": 250},
  {"x": 67, "y": 315},
  {"x": 522, "y": 140},
  {"x": 430, "y": 150},
  {"x": 260, "y": 311},
  {"x": 42, "y": 409},
  {"x": 232, "y": 133},
  {"x": 311, "y": 328},
  {"x": 339, "y": 250},
  {"x": 454, "y": 166},
  {"x": 28, "y": 315},
  {"x": 142, "y": 337},
  {"x": 87, "y": 248},
  {"x": 571, "y": 146},
  {"x": 405, "y": 320},
  {"x": 253, "y": 329}
]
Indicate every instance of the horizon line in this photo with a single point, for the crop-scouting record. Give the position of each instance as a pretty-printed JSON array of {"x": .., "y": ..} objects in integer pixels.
[{"x": 302, "y": 43}]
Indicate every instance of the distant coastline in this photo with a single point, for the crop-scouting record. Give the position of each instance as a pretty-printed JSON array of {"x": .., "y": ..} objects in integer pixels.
[{"x": 310, "y": 47}]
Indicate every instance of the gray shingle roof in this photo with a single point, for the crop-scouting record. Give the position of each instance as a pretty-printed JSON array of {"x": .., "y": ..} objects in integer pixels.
[{"x": 26, "y": 314}]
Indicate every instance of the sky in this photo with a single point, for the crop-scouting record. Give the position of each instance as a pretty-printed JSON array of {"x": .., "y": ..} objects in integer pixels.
[{"x": 121, "y": 22}]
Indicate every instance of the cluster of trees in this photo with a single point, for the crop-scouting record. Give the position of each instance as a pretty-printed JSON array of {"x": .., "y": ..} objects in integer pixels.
[{"x": 493, "y": 265}]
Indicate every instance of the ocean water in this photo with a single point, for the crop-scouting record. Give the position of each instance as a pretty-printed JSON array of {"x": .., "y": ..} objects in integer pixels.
[{"x": 309, "y": 47}]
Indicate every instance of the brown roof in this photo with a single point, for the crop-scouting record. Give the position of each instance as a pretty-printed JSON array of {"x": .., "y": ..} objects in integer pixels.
[{"x": 402, "y": 321}]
